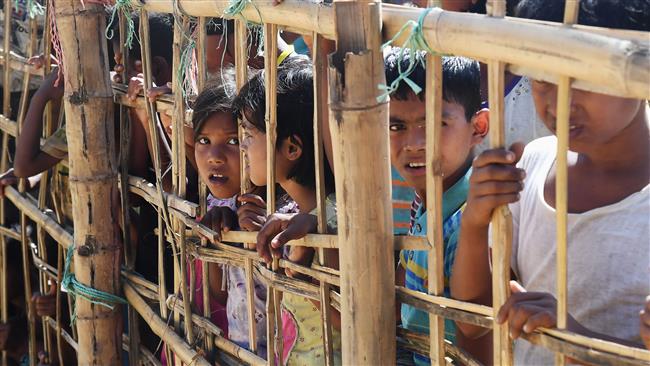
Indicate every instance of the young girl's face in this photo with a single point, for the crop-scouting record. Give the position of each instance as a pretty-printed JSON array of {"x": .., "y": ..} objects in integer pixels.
[
  {"x": 216, "y": 149},
  {"x": 254, "y": 145}
]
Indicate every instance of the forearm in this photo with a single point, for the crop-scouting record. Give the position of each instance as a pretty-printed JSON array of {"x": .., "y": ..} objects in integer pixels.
[
  {"x": 470, "y": 277},
  {"x": 29, "y": 159}
]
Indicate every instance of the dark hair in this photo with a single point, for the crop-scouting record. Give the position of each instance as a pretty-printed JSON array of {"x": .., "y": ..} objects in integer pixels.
[
  {"x": 621, "y": 14},
  {"x": 461, "y": 78},
  {"x": 217, "y": 96},
  {"x": 161, "y": 33},
  {"x": 295, "y": 114}
]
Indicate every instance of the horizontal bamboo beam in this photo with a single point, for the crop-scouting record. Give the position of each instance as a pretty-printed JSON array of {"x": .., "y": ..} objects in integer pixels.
[
  {"x": 418, "y": 342},
  {"x": 296, "y": 14},
  {"x": 175, "y": 303},
  {"x": 8, "y": 125},
  {"x": 181, "y": 349},
  {"x": 147, "y": 190},
  {"x": 19, "y": 63},
  {"x": 623, "y": 65},
  {"x": 621, "y": 57},
  {"x": 52, "y": 227}
]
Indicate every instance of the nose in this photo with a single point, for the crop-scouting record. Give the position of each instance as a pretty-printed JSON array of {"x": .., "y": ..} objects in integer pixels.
[
  {"x": 216, "y": 155},
  {"x": 416, "y": 139}
]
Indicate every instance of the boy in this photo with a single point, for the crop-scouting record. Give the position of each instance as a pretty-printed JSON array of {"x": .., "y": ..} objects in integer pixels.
[
  {"x": 609, "y": 172},
  {"x": 464, "y": 126}
]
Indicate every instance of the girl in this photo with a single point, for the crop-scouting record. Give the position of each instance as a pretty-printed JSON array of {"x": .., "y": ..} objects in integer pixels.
[
  {"x": 295, "y": 173},
  {"x": 216, "y": 150}
]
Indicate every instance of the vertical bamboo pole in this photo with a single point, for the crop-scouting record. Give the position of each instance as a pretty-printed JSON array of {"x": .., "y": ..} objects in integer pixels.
[
  {"x": 163, "y": 214},
  {"x": 6, "y": 95},
  {"x": 25, "y": 241},
  {"x": 241, "y": 67},
  {"x": 93, "y": 173},
  {"x": 359, "y": 126},
  {"x": 571, "y": 10},
  {"x": 434, "y": 202},
  {"x": 129, "y": 247},
  {"x": 501, "y": 236},
  {"x": 320, "y": 121},
  {"x": 273, "y": 299},
  {"x": 179, "y": 170}
]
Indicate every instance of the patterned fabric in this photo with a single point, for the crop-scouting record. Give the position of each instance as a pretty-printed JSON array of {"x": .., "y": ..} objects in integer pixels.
[
  {"x": 402, "y": 196},
  {"x": 415, "y": 262},
  {"x": 302, "y": 332}
]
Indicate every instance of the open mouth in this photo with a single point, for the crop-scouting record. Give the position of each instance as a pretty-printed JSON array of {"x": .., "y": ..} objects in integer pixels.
[
  {"x": 415, "y": 167},
  {"x": 218, "y": 179}
]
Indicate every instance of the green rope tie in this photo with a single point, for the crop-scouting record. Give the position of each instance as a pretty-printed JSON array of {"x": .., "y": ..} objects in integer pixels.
[
  {"x": 76, "y": 288},
  {"x": 235, "y": 9},
  {"x": 414, "y": 42},
  {"x": 125, "y": 7}
]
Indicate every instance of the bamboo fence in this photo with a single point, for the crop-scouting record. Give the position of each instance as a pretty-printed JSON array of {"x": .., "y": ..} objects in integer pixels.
[{"x": 362, "y": 289}]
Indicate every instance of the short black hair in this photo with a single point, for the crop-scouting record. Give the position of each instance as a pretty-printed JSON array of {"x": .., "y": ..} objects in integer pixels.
[
  {"x": 217, "y": 96},
  {"x": 295, "y": 113},
  {"x": 461, "y": 78},
  {"x": 161, "y": 31},
  {"x": 621, "y": 14}
]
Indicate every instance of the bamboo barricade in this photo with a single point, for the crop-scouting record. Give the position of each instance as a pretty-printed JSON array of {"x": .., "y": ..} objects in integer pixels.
[{"x": 620, "y": 56}]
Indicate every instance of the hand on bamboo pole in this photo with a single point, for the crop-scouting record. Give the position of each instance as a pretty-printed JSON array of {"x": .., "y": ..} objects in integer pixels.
[
  {"x": 279, "y": 230},
  {"x": 252, "y": 212},
  {"x": 45, "y": 304},
  {"x": 219, "y": 219},
  {"x": 495, "y": 181}
]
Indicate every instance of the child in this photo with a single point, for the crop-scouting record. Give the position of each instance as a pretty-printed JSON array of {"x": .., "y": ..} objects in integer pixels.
[
  {"x": 608, "y": 195},
  {"x": 217, "y": 158},
  {"x": 464, "y": 125},
  {"x": 294, "y": 156}
]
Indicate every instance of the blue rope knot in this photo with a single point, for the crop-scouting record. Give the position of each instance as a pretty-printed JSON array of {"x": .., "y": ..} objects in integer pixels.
[
  {"x": 414, "y": 42},
  {"x": 76, "y": 288}
]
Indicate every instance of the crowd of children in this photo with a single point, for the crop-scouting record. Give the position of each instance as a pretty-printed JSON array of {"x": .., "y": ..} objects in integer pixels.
[{"x": 608, "y": 169}]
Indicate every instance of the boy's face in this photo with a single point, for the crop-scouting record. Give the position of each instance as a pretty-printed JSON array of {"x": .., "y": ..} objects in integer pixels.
[
  {"x": 216, "y": 150},
  {"x": 595, "y": 119},
  {"x": 408, "y": 140},
  {"x": 254, "y": 146}
]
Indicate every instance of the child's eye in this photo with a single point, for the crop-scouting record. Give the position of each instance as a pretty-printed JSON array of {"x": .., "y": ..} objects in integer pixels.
[
  {"x": 396, "y": 127},
  {"x": 203, "y": 141},
  {"x": 233, "y": 141}
]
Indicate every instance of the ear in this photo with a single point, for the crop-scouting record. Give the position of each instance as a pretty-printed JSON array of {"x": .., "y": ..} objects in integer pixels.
[
  {"x": 481, "y": 125},
  {"x": 292, "y": 148}
]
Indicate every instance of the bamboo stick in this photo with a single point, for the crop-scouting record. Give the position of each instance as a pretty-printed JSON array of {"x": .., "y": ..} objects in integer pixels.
[
  {"x": 561, "y": 184},
  {"x": 624, "y": 65},
  {"x": 53, "y": 228},
  {"x": 147, "y": 190},
  {"x": 4, "y": 155},
  {"x": 435, "y": 270},
  {"x": 89, "y": 115},
  {"x": 320, "y": 119},
  {"x": 19, "y": 63},
  {"x": 419, "y": 343},
  {"x": 181, "y": 349},
  {"x": 273, "y": 318},
  {"x": 314, "y": 16},
  {"x": 179, "y": 171},
  {"x": 9, "y": 233},
  {"x": 6, "y": 47},
  {"x": 359, "y": 126},
  {"x": 501, "y": 237}
]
